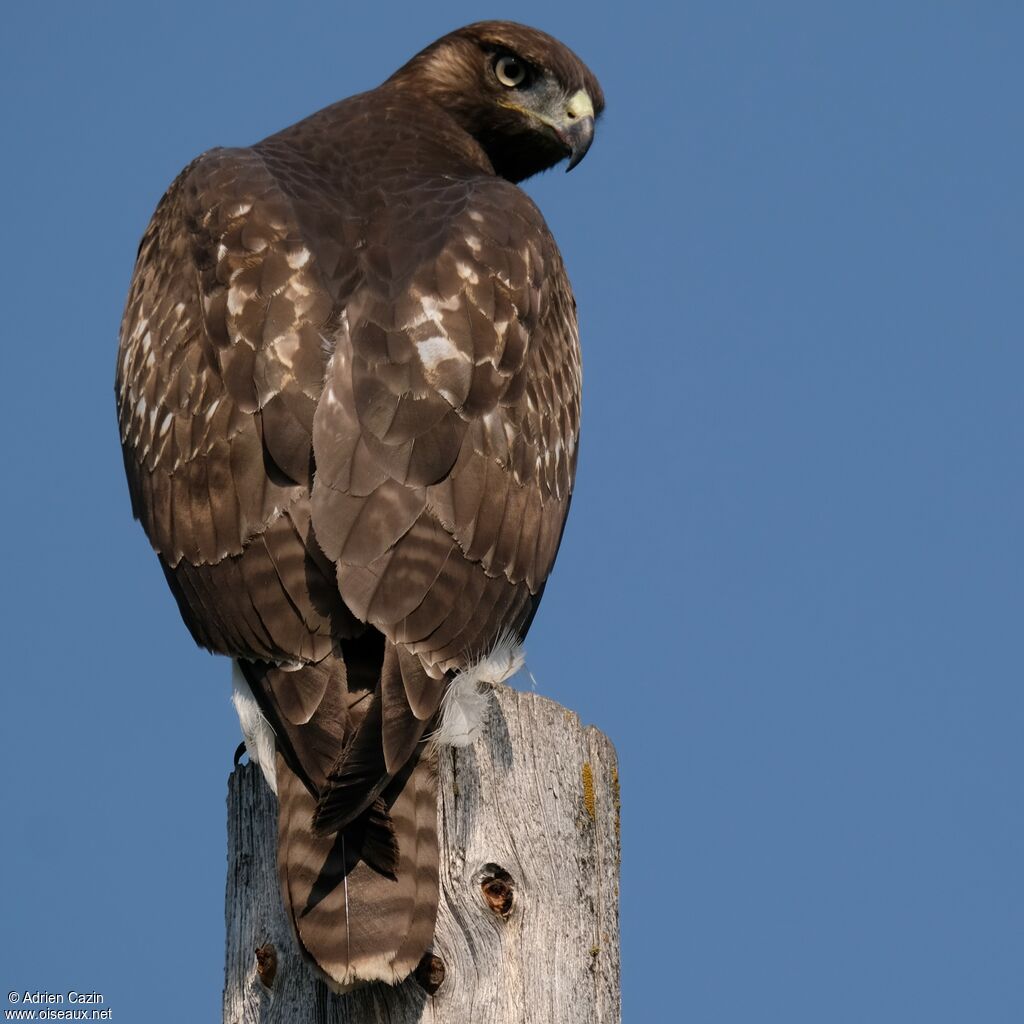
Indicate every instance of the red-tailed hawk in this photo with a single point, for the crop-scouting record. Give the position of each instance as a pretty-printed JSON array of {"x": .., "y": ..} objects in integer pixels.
[{"x": 349, "y": 398}]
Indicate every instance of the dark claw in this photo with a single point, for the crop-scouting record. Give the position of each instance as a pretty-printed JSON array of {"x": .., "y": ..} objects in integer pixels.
[{"x": 237, "y": 760}]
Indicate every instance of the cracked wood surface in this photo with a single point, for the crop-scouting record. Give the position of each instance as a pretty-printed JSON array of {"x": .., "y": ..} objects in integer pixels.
[{"x": 528, "y": 925}]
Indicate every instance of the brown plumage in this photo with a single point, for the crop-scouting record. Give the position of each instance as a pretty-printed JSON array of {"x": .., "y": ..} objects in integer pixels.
[{"x": 349, "y": 397}]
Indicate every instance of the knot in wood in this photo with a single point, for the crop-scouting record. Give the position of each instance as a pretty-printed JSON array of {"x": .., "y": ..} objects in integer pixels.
[
  {"x": 498, "y": 889},
  {"x": 266, "y": 963},
  {"x": 430, "y": 973}
]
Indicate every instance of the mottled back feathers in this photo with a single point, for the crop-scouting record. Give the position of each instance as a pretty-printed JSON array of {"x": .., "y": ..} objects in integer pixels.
[{"x": 349, "y": 398}]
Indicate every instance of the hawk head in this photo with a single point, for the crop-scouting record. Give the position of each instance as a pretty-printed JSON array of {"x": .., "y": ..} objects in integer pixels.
[{"x": 524, "y": 96}]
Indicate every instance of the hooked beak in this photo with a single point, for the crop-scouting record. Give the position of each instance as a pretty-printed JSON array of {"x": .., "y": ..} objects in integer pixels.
[
  {"x": 578, "y": 138},
  {"x": 575, "y": 128}
]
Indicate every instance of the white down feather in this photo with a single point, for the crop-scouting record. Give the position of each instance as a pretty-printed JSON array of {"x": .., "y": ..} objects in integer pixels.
[
  {"x": 259, "y": 736},
  {"x": 466, "y": 701}
]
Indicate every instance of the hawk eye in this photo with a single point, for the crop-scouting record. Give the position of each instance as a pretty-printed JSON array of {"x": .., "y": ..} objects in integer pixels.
[{"x": 510, "y": 71}]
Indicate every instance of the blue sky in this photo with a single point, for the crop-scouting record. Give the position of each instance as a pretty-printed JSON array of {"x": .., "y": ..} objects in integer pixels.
[{"x": 791, "y": 586}]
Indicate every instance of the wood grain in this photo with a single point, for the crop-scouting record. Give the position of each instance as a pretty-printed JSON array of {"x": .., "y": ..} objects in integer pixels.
[{"x": 528, "y": 926}]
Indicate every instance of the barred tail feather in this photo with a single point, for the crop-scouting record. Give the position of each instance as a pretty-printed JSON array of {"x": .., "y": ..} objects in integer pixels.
[
  {"x": 354, "y": 919},
  {"x": 357, "y": 852}
]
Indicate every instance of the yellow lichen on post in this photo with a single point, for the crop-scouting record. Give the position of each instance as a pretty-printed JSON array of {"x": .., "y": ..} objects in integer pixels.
[
  {"x": 528, "y": 862},
  {"x": 618, "y": 807},
  {"x": 588, "y": 791}
]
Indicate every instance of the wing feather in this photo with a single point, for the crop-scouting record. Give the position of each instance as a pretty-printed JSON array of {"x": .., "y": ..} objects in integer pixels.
[
  {"x": 348, "y": 402},
  {"x": 453, "y": 391}
]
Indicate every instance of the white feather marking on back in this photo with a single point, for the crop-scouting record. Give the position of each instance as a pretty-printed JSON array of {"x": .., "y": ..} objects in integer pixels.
[
  {"x": 437, "y": 350},
  {"x": 298, "y": 258},
  {"x": 260, "y": 743},
  {"x": 464, "y": 705}
]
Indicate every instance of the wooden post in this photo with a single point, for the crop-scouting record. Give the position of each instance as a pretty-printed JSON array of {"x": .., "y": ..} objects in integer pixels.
[{"x": 528, "y": 925}]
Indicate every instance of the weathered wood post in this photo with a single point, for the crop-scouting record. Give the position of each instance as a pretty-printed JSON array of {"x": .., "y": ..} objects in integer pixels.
[{"x": 528, "y": 926}]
